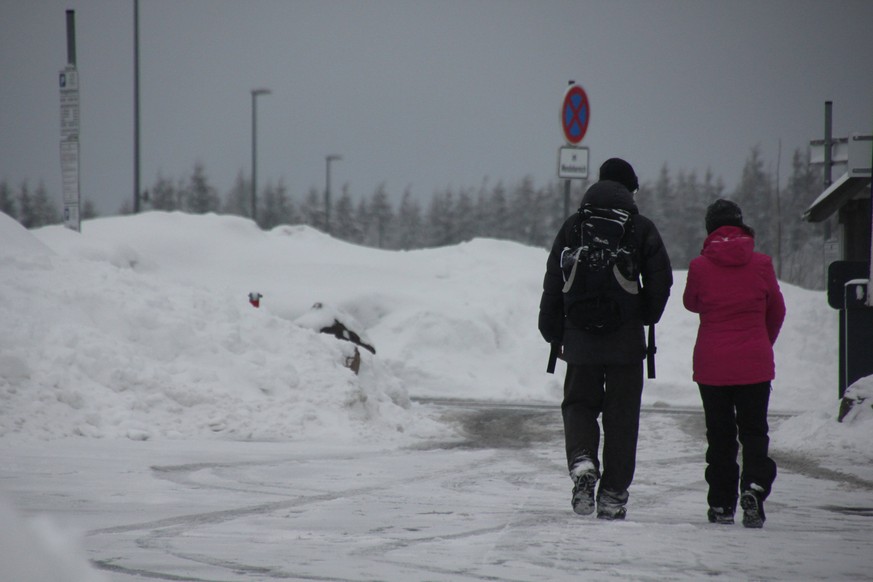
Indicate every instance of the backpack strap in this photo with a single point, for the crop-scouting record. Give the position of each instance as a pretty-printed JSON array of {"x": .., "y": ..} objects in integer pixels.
[
  {"x": 568, "y": 284},
  {"x": 650, "y": 352}
]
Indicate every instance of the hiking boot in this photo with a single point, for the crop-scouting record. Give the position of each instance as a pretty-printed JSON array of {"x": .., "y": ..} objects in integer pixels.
[
  {"x": 611, "y": 505},
  {"x": 722, "y": 515},
  {"x": 611, "y": 512},
  {"x": 585, "y": 478},
  {"x": 752, "y": 503}
]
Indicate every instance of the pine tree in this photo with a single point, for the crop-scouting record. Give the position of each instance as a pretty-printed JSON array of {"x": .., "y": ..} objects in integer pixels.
[
  {"x": 89, "y": 210},
  {"x": 712, "y": 188},
  {"x": 312, "y": 210},
  {"x": 278, "y": 208},
  {"x": 25, "y": 207},
  {"x": 382, "y": 218},
  {"x": 201, "y": 195},
  {"x": 804, "y": 186},
  {"x": 687, "y": 230},
  {"x": 440, "y": 220},
  {"x": 556, "y": 215},
  {"x": 363, "y": 215},
  {"x": 523, "y": 216},
  {"x": 666, "y": 217},
  {"x": 268, "y": 212},
  {"x": 286, "y": 209},
  {"x": 345, "y": 224},
  {"x": 164, "y": 195},
  {"x": 239, "y": 199},
  {"x": 409, "y": 222},
  {"x": 498, "y": 225},
  {"x": 7, "y": 200},
  {"x": 754, "y": 195},
  {"x": 803, "y": 248},
  {"x": 650, "y": 199},
  {"x": 467, "y": 224},
  {"x": 44, "y": 212}
]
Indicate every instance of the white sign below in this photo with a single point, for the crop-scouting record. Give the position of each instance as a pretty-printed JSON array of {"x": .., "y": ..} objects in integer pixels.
[{"x": 573, "y": 163}]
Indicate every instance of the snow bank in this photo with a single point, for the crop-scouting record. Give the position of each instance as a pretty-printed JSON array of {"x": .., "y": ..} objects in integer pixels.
[{"x": 140, "y": 327}]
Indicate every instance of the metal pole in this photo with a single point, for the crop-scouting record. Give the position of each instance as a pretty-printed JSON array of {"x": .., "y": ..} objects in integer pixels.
[
  {"x": 870, "y": 256},
  {"x": 254, "y": 156},
  {"x": 566, "y": 199},
  {"x": 828, "y": 142},
  {"x": 71, "y": 37},
  {"x": 136, "y": 185},
  {"x": 255, "y": 94},
  {"x": 70, "y": 128},
  {"x": 778, "y": 214}
]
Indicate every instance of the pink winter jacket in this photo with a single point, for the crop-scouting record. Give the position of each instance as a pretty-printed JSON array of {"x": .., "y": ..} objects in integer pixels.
[{"x": 735, "y": 291}]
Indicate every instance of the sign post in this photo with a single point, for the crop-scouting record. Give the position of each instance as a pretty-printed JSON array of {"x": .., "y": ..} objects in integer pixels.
[
  {"x": 573, "y": 159},
  {"x": 68, "y": 79}
]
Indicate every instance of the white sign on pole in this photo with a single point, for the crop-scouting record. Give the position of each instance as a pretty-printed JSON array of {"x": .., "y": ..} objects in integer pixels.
[
  {"x": 573, "y": 163},
  {"x": 68, "y": 79},
  {"x": 70, "y": 171},
  {"x": 860, "y": 158}
]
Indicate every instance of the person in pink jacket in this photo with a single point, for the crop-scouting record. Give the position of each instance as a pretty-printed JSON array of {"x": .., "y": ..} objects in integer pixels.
[{"x": 735, "y": 291}]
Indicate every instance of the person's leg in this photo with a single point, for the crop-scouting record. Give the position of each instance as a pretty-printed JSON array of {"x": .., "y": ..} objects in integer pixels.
[
  {"x": 722, "y": 470},
  {"x": 759, "y": 470},
  {"x": 621, "y": 423},
  {"x": 583, "y": 401}
]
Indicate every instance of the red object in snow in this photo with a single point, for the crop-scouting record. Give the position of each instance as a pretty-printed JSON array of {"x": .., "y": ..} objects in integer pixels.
[{"x": 255, "y": 299}]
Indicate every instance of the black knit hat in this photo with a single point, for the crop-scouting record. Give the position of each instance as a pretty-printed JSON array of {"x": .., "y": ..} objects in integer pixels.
[
  {"x": 723, "y": 213},
  {"x": 618, "y": 170}
]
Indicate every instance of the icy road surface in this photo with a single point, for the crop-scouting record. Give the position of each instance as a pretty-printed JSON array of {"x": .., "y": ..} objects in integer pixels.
[{"x": 494, "y": 506}]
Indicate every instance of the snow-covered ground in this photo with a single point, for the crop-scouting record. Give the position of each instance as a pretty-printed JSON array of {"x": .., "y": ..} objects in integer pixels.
[{"x": 130, "y": 353}]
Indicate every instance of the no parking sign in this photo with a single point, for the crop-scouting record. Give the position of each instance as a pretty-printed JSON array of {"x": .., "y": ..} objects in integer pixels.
[{"x": 575, "y": 113}]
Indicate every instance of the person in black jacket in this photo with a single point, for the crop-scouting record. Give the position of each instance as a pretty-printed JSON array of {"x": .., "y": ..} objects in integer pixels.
[{"x": 605, "y": 371}]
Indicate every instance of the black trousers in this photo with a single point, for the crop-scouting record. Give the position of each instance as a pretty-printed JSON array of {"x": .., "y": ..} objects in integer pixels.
[
  {"x": 736, "y": 412},
  {"x": 615, "y": 392}
]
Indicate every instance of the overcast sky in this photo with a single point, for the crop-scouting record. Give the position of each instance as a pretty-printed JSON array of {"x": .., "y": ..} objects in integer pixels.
[{"x": 426, "y": 95}]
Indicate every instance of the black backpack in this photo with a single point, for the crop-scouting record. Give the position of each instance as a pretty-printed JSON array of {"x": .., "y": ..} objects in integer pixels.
[{"x": 601, "y": 274}]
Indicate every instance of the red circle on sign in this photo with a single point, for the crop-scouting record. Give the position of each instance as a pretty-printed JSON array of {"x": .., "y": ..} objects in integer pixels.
[{"x": 575, "y": 113}]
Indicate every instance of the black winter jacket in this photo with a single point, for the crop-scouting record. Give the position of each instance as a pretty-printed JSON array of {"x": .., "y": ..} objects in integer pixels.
[{"x": 626, "y": 345}]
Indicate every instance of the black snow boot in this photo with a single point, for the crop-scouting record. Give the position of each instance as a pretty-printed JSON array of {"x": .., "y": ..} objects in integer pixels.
[
  {"x": 722, "y": 515},
  {"x": 752, "y": 502},
  {"x": 585, "y": 478}
]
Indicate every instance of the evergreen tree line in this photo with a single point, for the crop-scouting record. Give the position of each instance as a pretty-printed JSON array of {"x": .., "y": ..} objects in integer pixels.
[
  {"x": 34, "y": 208},
  {"x": 521, "y": 212}
]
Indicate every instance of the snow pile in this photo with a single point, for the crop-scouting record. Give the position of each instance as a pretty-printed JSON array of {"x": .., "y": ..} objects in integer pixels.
[
  {"x": 140, "y": 327},
  {"x": 860, "y": 394},
  {"x": 816, "y": 433},
  {"x": 98, "y": 343}
]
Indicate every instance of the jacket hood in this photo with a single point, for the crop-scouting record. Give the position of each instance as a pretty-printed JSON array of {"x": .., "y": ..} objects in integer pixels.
[
  {"x": 609, "y": 194},
  {"x": 729, "y": 246}
]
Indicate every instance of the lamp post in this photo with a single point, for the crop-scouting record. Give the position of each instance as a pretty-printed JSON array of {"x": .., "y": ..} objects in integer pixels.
[
  {"x": 330, "y": 158},
  {"x": 136, "y": 173},
  {"x": 255, "y": 94}
]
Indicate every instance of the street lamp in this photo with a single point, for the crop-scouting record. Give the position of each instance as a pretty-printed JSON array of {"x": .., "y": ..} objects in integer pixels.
[
  {"x": 255, "y": 94},
  {"x": 329, "y": 158}
]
